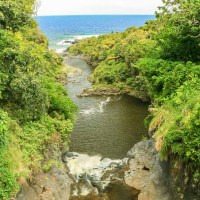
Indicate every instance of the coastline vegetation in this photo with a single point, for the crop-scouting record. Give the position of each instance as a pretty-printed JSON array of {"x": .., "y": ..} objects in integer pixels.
[
  {"x": 159, "y": 60},
  {"x": 162, "y": 60},
  {"x": 35, "y": 108}
]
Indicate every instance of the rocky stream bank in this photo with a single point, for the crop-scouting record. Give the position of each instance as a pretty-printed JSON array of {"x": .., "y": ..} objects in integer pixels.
[{"x": 139, "y": 176}]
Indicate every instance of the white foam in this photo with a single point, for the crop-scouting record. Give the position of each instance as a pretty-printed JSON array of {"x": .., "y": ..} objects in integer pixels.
[
  {"x": 65, "y": 42},
  {"x": 90, "y": 169},
  {"x": 88, "y": 111},
  {"x": 102, "y": 104},
  {"x": 68, "y": 42},
  {"x": 73, "y": 38},
  {"x": 93, "y": 166},
  {"x": 61, "y": 42},
  {"x": 82, "y": 164},
  {"x": 81, "y": 37},
  {"x": 75, "y": 192},
  {"x": 98, "y": 109},
  {"x": 60, "y": 50}
]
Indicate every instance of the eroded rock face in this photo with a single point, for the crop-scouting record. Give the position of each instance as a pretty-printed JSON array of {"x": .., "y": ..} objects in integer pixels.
[
  {"x": 54, "y": 185},
  {"x": 147, "y": 173},
  {"x": 183, "y": 182}
]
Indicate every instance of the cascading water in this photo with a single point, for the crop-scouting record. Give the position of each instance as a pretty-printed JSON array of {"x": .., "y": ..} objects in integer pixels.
[
  {"x": 98, "y": 109},
  {"x": 95, "y": 176},
  {"x": 105, "y": 129}
]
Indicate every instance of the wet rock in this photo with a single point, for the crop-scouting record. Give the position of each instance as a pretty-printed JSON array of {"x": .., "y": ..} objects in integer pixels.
[
  {"x": 68, "y": 42},
  {"x": 139, "y": 176},
  {"x": 93, "y": 175},
  {"x": 67, "y": 155},
  {"x": 147, "y": 173}
]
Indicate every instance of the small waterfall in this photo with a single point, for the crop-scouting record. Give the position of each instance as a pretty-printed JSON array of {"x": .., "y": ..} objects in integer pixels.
[
  {"x": 98, "y": 109},
  {"x": 92, "y": 174},
  {"x": 102, "y": 104}
]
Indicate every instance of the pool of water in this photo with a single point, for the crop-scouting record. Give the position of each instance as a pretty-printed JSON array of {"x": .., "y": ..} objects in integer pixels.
[{"x": 106, "y": 126}]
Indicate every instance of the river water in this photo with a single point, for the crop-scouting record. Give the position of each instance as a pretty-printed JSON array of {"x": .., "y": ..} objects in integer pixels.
[{"x": 105, "y": 126}]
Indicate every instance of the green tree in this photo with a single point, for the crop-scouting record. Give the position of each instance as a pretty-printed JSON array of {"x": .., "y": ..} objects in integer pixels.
[
  {"x": 15, "y": 14},
  {"x": 179, "y": 35}
]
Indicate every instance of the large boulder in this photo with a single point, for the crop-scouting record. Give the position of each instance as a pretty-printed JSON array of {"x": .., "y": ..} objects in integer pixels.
[{"x": 147, "y": 173}]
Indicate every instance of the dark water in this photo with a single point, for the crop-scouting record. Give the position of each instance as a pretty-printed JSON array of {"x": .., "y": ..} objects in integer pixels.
[
  {"x": 108, "y": 126},
  {"x": 121, "y": 192},
  {"x": 61, "y": 28}
]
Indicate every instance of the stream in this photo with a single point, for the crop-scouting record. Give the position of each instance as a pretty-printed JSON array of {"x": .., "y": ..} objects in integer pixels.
[{"x": 105, "y": 126}]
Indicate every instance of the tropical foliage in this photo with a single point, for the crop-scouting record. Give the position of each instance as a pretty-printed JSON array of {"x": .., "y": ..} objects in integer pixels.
[{"x": 35, "y": 109}]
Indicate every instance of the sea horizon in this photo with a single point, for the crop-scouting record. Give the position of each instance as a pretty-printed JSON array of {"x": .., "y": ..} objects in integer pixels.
[
  {"x": 62, "y": 30},
  {"x": 94, "y": 15}
]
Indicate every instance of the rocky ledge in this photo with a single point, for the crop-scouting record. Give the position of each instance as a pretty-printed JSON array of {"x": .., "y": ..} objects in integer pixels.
[
  {"x": 114, "y": 91},
  {"x": 103, "y": 91},
  {"x": 139, "y": 176}
]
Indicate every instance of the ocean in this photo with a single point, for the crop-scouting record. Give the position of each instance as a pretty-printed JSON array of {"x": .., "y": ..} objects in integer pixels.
[{"x": 62, "y": 30}]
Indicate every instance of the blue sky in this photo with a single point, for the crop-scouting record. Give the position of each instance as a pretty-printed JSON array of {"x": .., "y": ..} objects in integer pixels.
[{"x": 79, "y": 7}]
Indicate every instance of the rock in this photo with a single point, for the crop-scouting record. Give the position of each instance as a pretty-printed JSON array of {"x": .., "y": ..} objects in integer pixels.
[
  {"x": 114, "y": 91},
  {"x": 68, "y": 41},
  {"x": 147, "y": 173},
  {"x": 75, "y": 41},
  {"x": 67, "y": 155},
  {"x": 100, "y": 92},
  {"x": 183, "y": 183},
  {"x": 53, "y": 185},
  {"x": 139, "y": 176},
  {"x": 94, "y": 177}
]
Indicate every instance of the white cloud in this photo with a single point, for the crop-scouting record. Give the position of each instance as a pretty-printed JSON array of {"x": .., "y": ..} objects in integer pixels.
[{"x": 78, "y": 7}]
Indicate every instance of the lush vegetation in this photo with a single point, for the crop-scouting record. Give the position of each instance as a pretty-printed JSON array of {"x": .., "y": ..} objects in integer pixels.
[
  {"x": 35, "y": 110},
  {"x": 115, "y": 56},
  {"x": 162, "y": 59}
]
